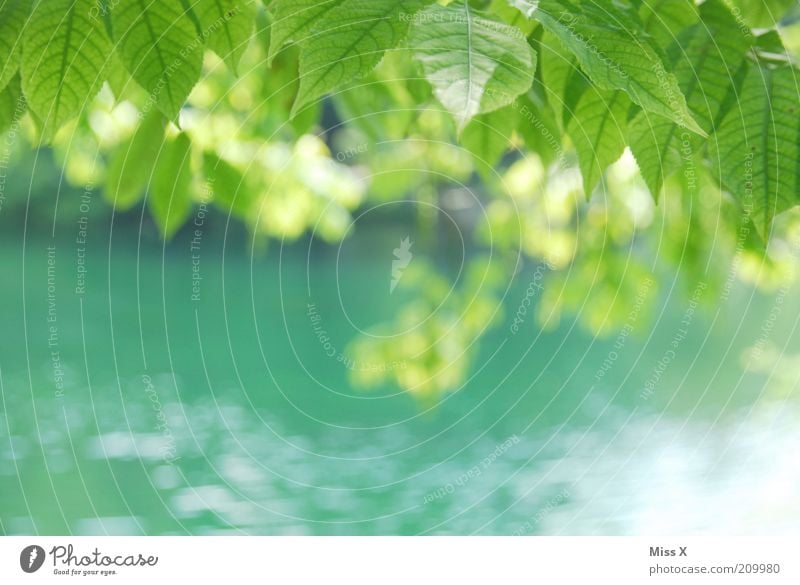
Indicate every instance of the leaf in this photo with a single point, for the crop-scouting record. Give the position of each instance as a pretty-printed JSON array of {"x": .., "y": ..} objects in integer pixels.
[
  {"x": 598, "y": 128},
  {"x": 227, "y": 26},
  {"x": 595, "y": 119},
  {"x": 761, "y": 13},
  {"x": 294, "y": 20},
  {"x": 158, "y": 44},
  {"x": 616, "y": 53},
  {"x": 665, "y": 19},
  {"x": 277, "y": 94},
  {"x": 757, "y": 146},
  {"x": 387, "y": 110},
  {"x": 120, "y": 81},
  {"x": 487, "y": 137},
  {"x": 170, "y": 199},
  {"x": 12, "y": 104},
  {"x": 376, "y": 114},
  {"x": 65, "y": 51},
  {"x": 348, "y": 42},
  {"x": 129, "y": 168},
  {"x": 708, "y": 56},
  {"x": 13, "y": 14},
  {"x": 768, "y": 47},
  {"x": 556, "y": 67},
  {"x": 538, "y": 128},
  {"x": 227, "y": 185},
  {"x": 476, "y": 65}
]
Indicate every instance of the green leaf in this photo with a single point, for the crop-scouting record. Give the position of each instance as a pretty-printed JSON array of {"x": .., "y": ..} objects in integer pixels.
[
  {"x": 538, "y": 127},
  {"x": 656, "y": 144},
  {"x": 13, "y": 14},
  {"x": 595, "y": 119},
  {"x": 375, "y": 113},
  {"x": 294, "y": 20},
  {"x": 761, "y": 13},
  {"x": 348, "y": 42},
  {"x": 475, "y": 64},
  {"x": 487, "y": 137},
  {"x": 129, "y": 168},
  {"x": 226, "y": 184},
  {"x": 170, "y": 198},
  {"x": 12, "y": 104},
  {"x": 556, "y": 67},
  {"x": 598, "y": 128},
  {"x": 120, "y": 81},
  {"x": 387, "y": 110},
  {"x": 65, "y": 52},
  {"x": 665, "y": 19},
  {"x": 158, "y": 44},
  {"x": 768, "y": 47},
  {"x": 615, "y": 52},
  {"x": 757, "y": 146},
  {"x": 277, "y": 94},
  {"x": 227, "y": 26},
  {"x": 708, "y": 57}
]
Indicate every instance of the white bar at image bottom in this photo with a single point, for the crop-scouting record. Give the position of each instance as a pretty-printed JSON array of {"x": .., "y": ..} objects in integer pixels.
[{"x": 400, "y": 560}]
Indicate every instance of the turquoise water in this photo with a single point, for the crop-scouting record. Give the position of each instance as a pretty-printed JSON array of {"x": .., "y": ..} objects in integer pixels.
[{"x": 130, "y": 407}]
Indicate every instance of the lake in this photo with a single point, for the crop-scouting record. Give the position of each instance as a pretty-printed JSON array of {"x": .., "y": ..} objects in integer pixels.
[{"x": 171, "y": 390}]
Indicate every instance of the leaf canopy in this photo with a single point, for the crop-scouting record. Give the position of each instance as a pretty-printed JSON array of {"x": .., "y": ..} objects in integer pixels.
[{"x": 687, "y": 86}]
